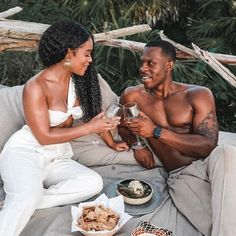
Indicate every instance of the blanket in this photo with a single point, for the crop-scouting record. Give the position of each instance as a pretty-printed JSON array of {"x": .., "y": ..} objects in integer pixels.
[{"x": 57, "y": 220}]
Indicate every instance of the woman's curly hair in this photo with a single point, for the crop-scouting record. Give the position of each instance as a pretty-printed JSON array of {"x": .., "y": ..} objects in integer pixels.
[{"x": 53, "y": 47}]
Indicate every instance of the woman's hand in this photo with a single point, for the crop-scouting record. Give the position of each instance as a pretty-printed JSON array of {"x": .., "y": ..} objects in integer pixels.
[{"x": 100, "y": 124}]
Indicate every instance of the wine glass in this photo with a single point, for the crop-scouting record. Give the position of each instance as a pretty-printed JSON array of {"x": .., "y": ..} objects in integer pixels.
[
  {"x": 114, "y": 110},
  {"x": 131, "y": 111},
  {"x": 113, "y": 113}
]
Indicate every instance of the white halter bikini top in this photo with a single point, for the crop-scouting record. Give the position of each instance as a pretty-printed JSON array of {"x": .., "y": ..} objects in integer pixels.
[{"x": 58, "y": 117}]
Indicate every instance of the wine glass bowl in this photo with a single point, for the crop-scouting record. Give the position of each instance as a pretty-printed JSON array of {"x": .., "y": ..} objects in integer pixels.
[
  {"x": 114, "y": 110},
  {"x": 131, "y": 111},
  {"x": 112, "y": 114}
]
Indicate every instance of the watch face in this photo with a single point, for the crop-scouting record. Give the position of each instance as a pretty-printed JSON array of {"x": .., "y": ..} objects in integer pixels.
[{"x": 157, "y": 132}]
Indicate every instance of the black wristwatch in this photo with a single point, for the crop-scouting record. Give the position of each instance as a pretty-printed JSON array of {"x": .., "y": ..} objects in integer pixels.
[{"x": 157, "y": 132}]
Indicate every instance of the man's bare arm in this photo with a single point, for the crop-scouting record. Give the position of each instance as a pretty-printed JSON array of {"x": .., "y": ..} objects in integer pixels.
[
  {"x": 171, "y": 158},
  {"x": 175, "y": 155},
  {"x": 209, "y": 127},
  {"x": 204, "y": 136}
]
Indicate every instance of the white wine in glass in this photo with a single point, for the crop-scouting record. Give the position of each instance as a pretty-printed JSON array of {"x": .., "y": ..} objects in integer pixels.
[
  {"x": 114, "y": 110},
  {"x": 113, "y": 113},
  {"x": 131, "y": 111}
]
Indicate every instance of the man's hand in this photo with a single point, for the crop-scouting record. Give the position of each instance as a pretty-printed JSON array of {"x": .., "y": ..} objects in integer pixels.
[
  {"x": 145, "y": 158},
  {"x": 142, "y": 126},
  {"x": 120, "y": 146}
]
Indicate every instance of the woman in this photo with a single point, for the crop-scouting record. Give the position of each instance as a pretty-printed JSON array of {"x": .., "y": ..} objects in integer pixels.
[{"x": 36, "y": 164}]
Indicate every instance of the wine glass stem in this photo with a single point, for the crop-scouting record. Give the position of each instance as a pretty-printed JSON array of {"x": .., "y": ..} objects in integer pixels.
[{"x": 138, "y": 139}]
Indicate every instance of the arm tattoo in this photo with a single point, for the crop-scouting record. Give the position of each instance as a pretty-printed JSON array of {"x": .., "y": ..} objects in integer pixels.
[{"x": 209, "y": 126}]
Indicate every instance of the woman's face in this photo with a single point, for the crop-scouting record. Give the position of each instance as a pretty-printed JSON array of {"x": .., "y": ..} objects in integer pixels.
[{"x": 81, "y": 58}]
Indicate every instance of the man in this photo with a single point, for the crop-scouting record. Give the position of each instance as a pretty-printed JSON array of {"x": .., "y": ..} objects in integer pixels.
[{"x": 180, "y": 125}]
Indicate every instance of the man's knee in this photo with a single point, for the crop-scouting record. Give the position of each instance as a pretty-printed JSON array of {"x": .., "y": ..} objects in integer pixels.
[{"x": 222, "y": 158}]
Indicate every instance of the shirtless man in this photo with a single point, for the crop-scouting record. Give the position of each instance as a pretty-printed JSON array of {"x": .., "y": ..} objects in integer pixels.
[
  {"x": 183, "y": 116},
  {"x": 180, "y": 125}
]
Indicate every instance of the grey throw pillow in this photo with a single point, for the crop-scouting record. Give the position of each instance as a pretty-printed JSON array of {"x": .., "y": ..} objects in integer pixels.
[
  {"x": 11, "y": 110},
  {"x": 11, "y": 118},
  {"x": 227, "y": 138}
]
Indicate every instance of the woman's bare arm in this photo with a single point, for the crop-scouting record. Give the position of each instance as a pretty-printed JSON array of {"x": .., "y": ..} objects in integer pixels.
[{"x": 37, "y": 117}]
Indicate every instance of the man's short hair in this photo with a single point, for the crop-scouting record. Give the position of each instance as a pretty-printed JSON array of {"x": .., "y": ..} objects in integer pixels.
[{"x": 167, "y": 48}]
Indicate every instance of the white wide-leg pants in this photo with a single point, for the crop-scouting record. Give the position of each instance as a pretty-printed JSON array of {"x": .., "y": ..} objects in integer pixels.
[{"x": 32, "y": 182}]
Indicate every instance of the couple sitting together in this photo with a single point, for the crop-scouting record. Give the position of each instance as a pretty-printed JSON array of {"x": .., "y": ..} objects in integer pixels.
[{"x": 64, "y": 103}]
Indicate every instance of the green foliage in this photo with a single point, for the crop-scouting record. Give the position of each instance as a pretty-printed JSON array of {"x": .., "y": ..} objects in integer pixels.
[
  {"x": 17, "y": 67},
  {"x": 210, "y": 24},
  {"x": 125, "y": 72},
  {"x": 214, "y": 29},
  {"x": 41, "y": 11}
]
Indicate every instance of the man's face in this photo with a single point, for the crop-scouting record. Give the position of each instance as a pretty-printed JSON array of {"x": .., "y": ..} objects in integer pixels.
[{"x": 154, "y": 67}]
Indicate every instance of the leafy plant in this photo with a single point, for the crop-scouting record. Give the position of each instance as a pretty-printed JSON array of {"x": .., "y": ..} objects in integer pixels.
[{"x": 210, "y": 24}]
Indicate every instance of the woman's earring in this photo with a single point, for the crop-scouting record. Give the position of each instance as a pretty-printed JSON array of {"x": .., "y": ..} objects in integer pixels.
[{"x": 67, "y": 62}]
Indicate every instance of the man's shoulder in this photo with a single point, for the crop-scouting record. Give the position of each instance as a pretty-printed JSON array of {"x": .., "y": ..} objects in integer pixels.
[
  {"x": 131, "y": 93},
  {"x": 195, "y": 90},
  {"x": 199, "y": 94},
  {"x": 135, "y": 88},
  {"x": 132, "y": 90}
]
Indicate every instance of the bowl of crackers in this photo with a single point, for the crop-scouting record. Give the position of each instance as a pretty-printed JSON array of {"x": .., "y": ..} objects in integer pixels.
[
  {"x": 102, "y": 217},
  {"x": 97, "y": 219}
]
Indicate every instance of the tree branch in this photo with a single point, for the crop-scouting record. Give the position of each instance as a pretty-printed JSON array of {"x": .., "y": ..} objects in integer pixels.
[
  {"x": 121, "y": 43},
  {"x": 10, "y": 12},
  {"x": 24, "y": 36},
  {"x": 189, "y": 53},
  {"x": 122, "y": 32},
  {"x": 216, "y": 65}
]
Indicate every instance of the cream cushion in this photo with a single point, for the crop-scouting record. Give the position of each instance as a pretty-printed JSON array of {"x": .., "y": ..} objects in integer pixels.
[
  {"x": 11, "y": 110},
  {"x": 11, "y": 117},
  {"x": 227, "y": 138}
]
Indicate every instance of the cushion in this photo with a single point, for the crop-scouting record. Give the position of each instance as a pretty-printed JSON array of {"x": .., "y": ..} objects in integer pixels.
[
  {"x": 108, "y": 96},
  {"x": 11, "y": 118},
  {"x": 227, "y": 138},
  {"x": 91, "y": 150},
  {"x": 11, "y": 110}
]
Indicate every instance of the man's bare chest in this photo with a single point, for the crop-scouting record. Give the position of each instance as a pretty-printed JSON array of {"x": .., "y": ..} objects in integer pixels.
[{"x": 175, "y": 111}]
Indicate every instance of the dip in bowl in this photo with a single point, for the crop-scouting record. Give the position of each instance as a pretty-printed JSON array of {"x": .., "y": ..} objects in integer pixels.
[{"x": 135, "y": 191}]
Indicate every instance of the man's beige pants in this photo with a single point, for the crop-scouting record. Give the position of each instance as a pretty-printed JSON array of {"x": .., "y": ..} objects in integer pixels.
[{"x": 205, "y": 192}]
